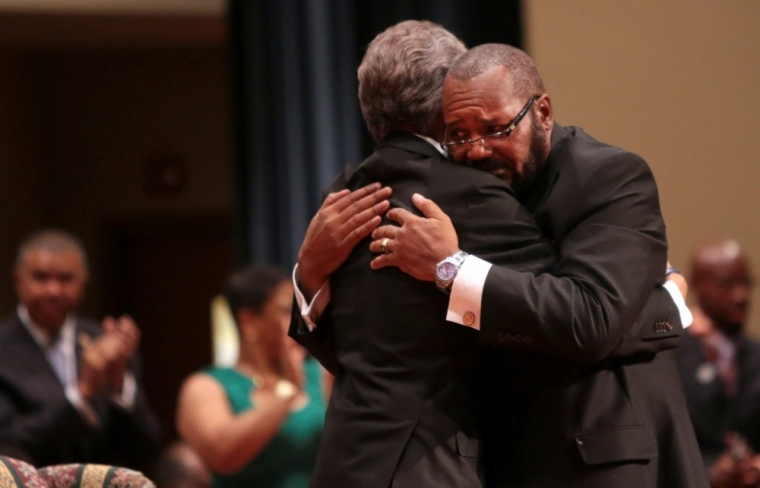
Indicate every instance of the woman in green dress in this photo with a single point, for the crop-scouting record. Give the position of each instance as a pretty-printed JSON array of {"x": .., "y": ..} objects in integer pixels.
[{"x": 257, "y": 424}]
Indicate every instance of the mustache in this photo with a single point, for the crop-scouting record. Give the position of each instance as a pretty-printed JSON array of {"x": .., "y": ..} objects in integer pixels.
[{"x": 487, "y": 165}]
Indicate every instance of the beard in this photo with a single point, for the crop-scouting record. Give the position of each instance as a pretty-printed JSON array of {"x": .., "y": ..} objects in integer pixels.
[
  {"x": 536, "y": 160},
  {"x": 531, "y": 167}
]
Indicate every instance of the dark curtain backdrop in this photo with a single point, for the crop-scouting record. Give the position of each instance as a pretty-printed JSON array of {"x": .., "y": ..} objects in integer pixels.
[{"x": 297, "y": 115}]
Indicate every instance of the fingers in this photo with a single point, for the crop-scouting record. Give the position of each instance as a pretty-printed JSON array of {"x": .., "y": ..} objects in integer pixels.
[
  {"x": 364, "y": 213},
  {"x": 382, "y": 246},
  {"x": 428, "y": 208},
  {"x": 400, "y": 215},
  {"x": 109, "y": 324},
  {"x": 362, "y": 230},
  {"x": 84, "y": 341},
  {"x": 128, "y": 328},
  {"x": 334, "y": 197},
  {"x": 381, "y": 261},
  {"x": 348, "y": 217},
  {"x": 359, "y": 200},
  {"x": 389, "y": 231}
]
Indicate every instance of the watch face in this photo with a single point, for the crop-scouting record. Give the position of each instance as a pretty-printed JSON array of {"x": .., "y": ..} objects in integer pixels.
[{"x": 447, "y": 271}]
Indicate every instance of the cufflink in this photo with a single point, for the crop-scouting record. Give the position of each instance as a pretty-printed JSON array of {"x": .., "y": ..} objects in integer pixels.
[{"x": 468, "y": 318}]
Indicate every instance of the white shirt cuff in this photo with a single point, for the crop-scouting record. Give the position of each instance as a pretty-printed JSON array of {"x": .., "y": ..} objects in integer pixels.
[
  {"x": 313, "y": 310},
  {"x": 126, "y": 399},
  {"x": 467, "y": 292},
  {"x": 675, "y": 294}
]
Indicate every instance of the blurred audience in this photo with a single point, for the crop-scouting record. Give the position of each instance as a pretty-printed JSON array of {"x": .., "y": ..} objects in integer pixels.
[
  {"x": 179, "y": 466},
  {"x": 69, "y": 386},
  {"x": 257, "y": 423},
  {"x": 720, "y": 366}
]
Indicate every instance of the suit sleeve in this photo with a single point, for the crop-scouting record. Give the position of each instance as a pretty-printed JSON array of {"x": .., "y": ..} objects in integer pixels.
[
  {"x": 134, "y": 432},
  {"x": 319, "y": 341},
  {"x": 608, "y": 265},
  {"x": 34, "y": 433},
  {"x": 658, "y": 328}
]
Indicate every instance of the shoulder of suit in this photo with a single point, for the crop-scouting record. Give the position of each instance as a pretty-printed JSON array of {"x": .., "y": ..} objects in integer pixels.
[
  {"x": 595, "y": 150},
  {"x": 10, "y": 325},
  {"x": 593, "y": 160},
  {"x": 750, "y": 343}
]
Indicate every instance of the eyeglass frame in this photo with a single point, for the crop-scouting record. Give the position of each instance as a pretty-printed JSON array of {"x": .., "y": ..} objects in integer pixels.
[{"x": 455, "y": 145}]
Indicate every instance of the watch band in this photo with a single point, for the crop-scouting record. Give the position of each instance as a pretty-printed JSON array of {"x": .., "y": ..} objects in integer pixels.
[{"x": 446, "y": 270}]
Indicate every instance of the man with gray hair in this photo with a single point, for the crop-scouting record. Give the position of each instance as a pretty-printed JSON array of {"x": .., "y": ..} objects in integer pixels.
[{"x": 69, "y": 389}]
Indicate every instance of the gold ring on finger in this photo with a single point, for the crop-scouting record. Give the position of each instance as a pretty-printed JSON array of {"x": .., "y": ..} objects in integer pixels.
[{"x": 384, "y": 246}]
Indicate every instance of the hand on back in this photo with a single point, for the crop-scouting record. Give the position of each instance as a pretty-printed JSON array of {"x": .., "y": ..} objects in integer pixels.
[{"x": 344, "y": 219}]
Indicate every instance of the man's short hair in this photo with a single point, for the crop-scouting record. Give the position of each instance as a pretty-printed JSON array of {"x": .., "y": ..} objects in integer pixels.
[
  {"x": 52, "y": 240},
  {"x": 401, "y": 76},
  {"x": 525, "y": 77},
  {"x": 252, "y": 286}
]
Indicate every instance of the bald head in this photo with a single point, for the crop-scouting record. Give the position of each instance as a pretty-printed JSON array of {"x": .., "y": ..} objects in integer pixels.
[
  {"x": 722, "y": 282},
  {"x": 526, "y": 81}
]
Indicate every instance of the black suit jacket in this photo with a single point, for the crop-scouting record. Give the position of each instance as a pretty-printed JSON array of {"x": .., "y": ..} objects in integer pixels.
[
  {"x": 614, "y": 421},
  {"x": 38, "y": 422},
  {"x": 713, "y": 413},
  {"x": 404, "y": 403}
]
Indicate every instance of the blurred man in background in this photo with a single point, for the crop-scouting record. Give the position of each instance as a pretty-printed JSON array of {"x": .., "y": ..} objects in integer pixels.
[
  {"x": 69, "y": 389},
  {"x": 720, "y": 366}
]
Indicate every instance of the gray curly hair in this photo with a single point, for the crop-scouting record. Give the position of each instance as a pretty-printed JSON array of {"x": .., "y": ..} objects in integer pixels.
[{"x": 401, "y": 77}]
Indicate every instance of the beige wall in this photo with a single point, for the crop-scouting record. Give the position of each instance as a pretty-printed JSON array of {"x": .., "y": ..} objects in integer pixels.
[{"x": 677, "y": 82}]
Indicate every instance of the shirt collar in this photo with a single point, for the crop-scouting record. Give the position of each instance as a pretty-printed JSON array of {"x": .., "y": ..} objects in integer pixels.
[
  {"x": 65, "y": 334},
  {"x": 433, "y": 143}
]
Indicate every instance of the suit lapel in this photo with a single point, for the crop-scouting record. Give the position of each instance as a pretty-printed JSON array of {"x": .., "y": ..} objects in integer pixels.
[{"x": 29, "y": 357}]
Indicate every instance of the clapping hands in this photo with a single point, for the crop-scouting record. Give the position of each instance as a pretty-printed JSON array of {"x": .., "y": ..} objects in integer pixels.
[
  {"x": 105, "y": 358},
  {"x": 737, "y": 467}
]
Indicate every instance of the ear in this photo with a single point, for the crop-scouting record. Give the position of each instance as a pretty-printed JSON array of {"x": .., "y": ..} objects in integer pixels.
[
  {"x": 245, "y": 316},
  {"x": 246, "y": 319},
  {"x": 545, "y": 112}
]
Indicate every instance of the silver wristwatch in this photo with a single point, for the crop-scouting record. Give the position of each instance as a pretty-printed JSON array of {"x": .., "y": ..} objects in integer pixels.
[{"x": 447, "y": 270}]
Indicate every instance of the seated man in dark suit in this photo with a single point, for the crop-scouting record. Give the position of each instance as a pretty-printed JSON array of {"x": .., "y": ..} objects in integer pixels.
[
  {"x": 69, "y": 390},
  {"x": 404, "y": 409}
]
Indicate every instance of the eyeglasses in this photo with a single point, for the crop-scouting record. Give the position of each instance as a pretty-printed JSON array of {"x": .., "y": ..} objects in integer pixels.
[{"x": 502, "y": 135}]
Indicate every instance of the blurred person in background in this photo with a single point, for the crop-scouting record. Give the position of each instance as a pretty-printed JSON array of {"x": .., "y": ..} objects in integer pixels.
[
  {"x": 179, "y": 466},
  {"x": 258, "y": 423},
  {"x": 720, "y": 366},
  {"x": 69, "y": 386}
]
